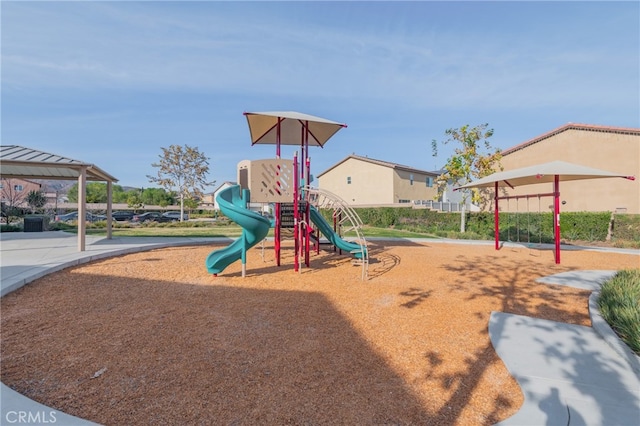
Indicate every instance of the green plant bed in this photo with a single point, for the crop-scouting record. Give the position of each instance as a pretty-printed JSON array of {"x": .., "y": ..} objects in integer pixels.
[{"x": 619, "y": 305}]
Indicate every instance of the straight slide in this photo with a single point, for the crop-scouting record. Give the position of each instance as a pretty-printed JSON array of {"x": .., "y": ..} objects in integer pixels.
[
  {"x": 333, "y": 237},
  {"x": 255, "y": 229}
]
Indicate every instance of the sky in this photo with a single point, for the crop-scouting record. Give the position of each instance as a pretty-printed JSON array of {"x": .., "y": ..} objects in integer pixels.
[{"x": 112, "y": 82}]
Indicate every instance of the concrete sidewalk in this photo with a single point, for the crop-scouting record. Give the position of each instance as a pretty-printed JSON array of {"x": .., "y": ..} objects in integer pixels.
[
  {"x": 569, "y": 374},
  {"x": 28, "y": 256}
]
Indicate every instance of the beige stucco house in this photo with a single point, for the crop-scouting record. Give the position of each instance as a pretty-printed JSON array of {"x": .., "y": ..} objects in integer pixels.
[
  {"x": 613, "y": 149},
  {"x": 363, "y": 181},
  {"x": 13, "y": 192}
]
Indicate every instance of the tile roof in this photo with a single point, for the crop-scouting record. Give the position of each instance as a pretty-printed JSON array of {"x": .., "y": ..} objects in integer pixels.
[{"x": 573, "y": 126}]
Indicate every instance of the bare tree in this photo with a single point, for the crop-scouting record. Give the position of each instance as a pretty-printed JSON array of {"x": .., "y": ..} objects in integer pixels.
[{"x": 182, "y": 170}]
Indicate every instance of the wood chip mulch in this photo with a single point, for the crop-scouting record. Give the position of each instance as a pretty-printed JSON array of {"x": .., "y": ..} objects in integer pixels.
[{"x": 152, "y": 338}]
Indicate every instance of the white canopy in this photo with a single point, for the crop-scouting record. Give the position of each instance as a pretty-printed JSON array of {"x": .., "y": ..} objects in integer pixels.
[
  {"x": 542, "y": 173},
  {"x": 263, "y": 128}
]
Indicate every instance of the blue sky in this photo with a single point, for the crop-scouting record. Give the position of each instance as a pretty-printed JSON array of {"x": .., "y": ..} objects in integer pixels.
[{"x": 112, "y": 82}]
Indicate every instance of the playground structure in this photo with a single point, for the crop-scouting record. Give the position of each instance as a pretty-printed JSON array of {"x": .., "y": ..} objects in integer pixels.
[{"x": 297, "y": 205}]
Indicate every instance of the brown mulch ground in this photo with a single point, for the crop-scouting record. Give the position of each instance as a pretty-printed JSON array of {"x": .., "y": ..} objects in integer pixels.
[{"x": 152, "y": 338}]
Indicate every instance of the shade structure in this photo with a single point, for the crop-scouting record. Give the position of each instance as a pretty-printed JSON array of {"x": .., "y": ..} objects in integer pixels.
[
  {"x": 542, "y": 173},
  {"x": 26, "y": 163},
  {"x": 553, "y": 172},
  {"x": 263, "y": 127}
]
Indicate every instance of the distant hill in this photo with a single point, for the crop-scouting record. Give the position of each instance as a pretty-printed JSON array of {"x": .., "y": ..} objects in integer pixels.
[{"x": 59, "y": 186}]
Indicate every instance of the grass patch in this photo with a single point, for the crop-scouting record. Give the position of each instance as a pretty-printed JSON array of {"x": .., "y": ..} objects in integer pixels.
[
  {"x": 619, "y": 304},
  {"x": 371, "y": 231},
  {"x": 148, "y": 231}
]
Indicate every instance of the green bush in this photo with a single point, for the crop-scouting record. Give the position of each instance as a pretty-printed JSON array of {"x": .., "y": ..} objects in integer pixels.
[
  {"x": 626, "y": 227},
  {"x": 619, "y": 304},
  {"x": 10, "y": 228}
]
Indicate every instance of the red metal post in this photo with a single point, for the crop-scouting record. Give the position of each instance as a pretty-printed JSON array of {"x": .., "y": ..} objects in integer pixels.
[
  {"x": 295, "y": 213},
  {"x": 496, "y": 218},
  {"x": 556, "y": 215},
  {"x": 307, "y": 212},
  {"x": 276, "y": 231}
]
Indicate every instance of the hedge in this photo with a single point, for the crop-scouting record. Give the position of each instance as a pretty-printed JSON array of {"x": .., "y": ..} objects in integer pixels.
[{"x": 533, "y": 227}]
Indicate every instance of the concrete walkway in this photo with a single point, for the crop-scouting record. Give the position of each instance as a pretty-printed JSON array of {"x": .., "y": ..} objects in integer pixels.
[{"x": 569, "y": 374}]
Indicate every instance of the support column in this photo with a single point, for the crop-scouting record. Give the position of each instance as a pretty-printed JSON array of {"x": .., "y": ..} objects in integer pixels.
[
  {"x": 296, "y": 222},
  {"x": 556, "y": 215},
  {"x": 109, "y": 209},
  {"x": 496, "y": 217},
  {"x": 82, "y": 208},
  {"x": 278, "y": 225}
]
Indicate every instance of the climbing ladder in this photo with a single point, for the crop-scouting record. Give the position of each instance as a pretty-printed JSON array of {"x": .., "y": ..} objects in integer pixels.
[{"x": 347, "y": 220}]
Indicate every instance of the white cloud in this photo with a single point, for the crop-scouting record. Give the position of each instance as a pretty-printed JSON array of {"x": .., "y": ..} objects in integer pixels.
[{"x": 210, "y": 48}]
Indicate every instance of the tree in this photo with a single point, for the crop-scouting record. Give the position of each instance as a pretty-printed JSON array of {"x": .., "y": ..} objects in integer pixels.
[
  {"x": 96, "y": 192},
  {"x": 134, "y": 200},
  {"x": 191, "y": 203},
  {"x": 36, "y": 200},
  {"x": 12, "y": 198},
  {"x": 157, "y": 196},
  {"x": 468, "y": 162},
  {"x": 183, "y": 170}
]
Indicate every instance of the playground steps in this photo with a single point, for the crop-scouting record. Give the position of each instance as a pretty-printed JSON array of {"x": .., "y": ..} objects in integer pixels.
[{"x": 286, "y": 214}]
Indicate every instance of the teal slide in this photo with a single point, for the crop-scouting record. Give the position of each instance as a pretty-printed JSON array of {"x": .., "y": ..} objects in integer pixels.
[
  {"x": 334, "y": 238},
  {"x": 255, "y": 228}
]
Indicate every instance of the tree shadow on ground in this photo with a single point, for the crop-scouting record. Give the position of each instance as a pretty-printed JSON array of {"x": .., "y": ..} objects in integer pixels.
[
  {"x": 507, "y": 286},
  {"x": 511, "y": 285}
]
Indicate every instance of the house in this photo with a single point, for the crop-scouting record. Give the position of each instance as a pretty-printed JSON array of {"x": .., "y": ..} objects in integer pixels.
[
  {"x": 364, "y": 181},
  {"x": 614, "y": 149},
  {"x": 211, "y": 198},
  {"x": 13, "y": 192}
]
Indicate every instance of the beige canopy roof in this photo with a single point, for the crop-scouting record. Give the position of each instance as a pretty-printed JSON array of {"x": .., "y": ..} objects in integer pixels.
[
  {"x": 26, "y": 163},
  {"x": 263, "y": 128},
  {"x": 542, "y": 173}
]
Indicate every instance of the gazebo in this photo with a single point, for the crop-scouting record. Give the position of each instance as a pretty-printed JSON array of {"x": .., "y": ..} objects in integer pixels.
[{"x": 26, "y": 163}]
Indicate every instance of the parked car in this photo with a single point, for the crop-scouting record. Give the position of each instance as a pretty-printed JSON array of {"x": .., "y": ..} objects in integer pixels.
[
  {"x": 149, "y": 217},
  {"x": 175, "y": 216},
  {"x": 73, "y": 216},
  {"x": 121, "y": 216}
]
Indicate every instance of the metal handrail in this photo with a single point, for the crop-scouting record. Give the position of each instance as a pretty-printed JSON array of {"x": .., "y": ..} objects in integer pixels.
[{"x": 329, "y": 200}]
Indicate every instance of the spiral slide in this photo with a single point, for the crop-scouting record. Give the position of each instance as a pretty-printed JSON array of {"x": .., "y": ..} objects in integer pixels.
[
  {"x": 254, "y": 229},
  {"x": 334, "y": 238}
]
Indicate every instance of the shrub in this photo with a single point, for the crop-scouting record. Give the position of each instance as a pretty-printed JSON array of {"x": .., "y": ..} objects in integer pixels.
[
  {"x": 10, "y": 228},
  {"x": 619, "y": 304},
  {"x": 626, "y": 227}
]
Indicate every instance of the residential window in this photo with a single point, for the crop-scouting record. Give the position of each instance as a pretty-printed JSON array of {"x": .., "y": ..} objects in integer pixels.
[
  {"x": 17, "y": 188},
  {"x": 429, "y": 181},
  {"x": 411, "y": 179},
  {"x": 348, "y": 180}
]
